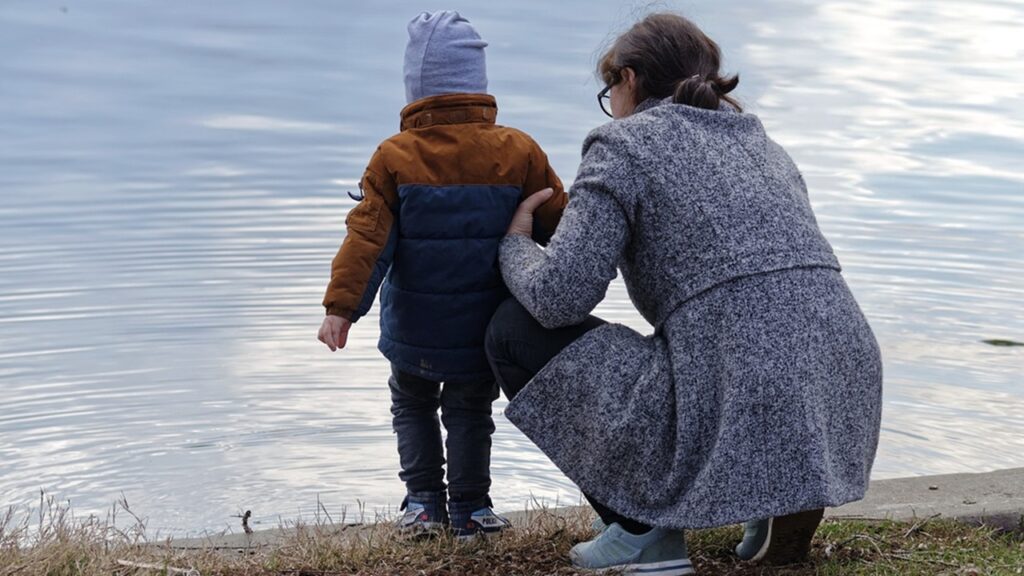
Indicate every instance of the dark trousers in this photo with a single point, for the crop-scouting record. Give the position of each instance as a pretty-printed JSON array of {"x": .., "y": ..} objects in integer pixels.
[
  {"x": 466, "y": 414},
  {"x": 518, "y": 347}
]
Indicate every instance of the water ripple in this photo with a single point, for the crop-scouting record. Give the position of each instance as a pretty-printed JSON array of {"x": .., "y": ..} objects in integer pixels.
[{"x": 174, "y": 186}]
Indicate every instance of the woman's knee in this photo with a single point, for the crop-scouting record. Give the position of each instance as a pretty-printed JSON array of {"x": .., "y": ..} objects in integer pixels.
[
  {"x": 510, "y": 312},
  {"x": 508, "y": 320}
]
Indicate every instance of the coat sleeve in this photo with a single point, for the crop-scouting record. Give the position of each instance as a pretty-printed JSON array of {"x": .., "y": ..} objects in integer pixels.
[
  {"x": 369, "y": 246},
  {"x": 540, "y": 176},
  {"x": 562, "y": 284}
]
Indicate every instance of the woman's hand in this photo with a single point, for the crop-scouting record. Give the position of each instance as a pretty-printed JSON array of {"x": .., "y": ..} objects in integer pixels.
[
  {"x": 522, "y": 221},
  {"x": 334, "y": 332}
]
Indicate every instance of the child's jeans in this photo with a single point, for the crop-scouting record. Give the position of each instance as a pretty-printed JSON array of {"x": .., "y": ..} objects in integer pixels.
[{"x": 466, "y": 413}]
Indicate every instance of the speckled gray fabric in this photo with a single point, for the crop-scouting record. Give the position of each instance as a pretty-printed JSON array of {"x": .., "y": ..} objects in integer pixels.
[{"x": 759, "y": 392}]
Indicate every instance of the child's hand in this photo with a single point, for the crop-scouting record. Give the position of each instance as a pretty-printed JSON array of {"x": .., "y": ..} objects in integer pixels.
[
  {"x": 522, "y": 221},
  {"x": 334, "y": 332}
]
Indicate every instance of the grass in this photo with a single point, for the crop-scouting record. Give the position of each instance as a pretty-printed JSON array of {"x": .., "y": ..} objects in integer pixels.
[{"x": 54, "y": 543}]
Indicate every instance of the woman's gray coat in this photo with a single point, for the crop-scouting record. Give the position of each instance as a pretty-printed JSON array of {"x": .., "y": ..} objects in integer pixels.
[{"x": 759, "y": 392}]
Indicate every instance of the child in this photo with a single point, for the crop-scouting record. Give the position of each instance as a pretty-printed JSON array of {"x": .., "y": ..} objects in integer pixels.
[{"x": 437, "y": 200}]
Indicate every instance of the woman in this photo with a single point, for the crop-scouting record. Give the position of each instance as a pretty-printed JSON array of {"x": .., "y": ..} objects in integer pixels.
[{"x": 759, "y": 394}]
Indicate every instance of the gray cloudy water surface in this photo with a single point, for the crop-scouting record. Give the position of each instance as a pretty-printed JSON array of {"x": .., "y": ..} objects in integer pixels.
[{"x": 174, "y": 175}]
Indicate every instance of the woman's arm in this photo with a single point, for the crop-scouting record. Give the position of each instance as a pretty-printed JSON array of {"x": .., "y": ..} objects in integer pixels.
[{"x": 561, "y": 285}]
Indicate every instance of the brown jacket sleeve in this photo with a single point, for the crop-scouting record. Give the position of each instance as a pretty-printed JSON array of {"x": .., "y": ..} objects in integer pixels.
[
  {"x": 539, "y": 177},
  {"x": 365, "y": 255}
]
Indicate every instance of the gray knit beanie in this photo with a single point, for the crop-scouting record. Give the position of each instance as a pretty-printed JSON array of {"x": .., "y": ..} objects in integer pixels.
[{"x": 445, "y": 55}]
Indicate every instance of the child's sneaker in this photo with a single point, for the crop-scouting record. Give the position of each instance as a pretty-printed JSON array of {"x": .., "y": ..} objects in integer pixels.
[
  {"x": 475, "y": 518},
  {"x": 659, "y": 552},
  {"x": 424, "y": 512}
]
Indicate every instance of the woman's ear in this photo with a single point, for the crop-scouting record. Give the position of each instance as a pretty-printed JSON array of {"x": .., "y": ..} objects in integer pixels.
[
  {"x": 630, "y": 86},
  {"x": 628, "y": 76}
]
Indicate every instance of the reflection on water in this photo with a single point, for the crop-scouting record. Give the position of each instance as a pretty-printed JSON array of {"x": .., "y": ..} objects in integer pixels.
[{"x": 174, "y": 178}]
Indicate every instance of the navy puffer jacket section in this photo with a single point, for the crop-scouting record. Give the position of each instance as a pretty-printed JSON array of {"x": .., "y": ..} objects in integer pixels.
[{"x": 437, "y": 200}]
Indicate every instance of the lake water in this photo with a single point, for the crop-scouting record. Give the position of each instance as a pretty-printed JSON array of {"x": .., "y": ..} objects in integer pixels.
[{"x": 173, "y": 179}]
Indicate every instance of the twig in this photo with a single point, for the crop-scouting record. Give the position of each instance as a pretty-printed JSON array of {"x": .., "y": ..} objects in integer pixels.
[
  {"x": 872, "y": 539},
  {"x": 920, "y": 524},
  {"x": 140, "y": 524},
  {"x": 324, "y": 508},
  {"x": 906, "y": 558},
  {"x": 167, "y": 569},
  {"x": 14, "y": 570}
]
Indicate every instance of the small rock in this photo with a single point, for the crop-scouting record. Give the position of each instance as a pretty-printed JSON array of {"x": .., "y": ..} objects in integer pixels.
[
  {"x": 968, "y": 501},
  {"x": 933, "y": 487}
]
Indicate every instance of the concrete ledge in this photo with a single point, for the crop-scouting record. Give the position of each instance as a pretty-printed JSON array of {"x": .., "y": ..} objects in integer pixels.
[{"x": 991, "y": 498}]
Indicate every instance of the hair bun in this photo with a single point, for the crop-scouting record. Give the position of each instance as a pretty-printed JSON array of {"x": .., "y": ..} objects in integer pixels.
[
  {"x": 726, "y": 85},
  {"x": 699, "y": 91}
]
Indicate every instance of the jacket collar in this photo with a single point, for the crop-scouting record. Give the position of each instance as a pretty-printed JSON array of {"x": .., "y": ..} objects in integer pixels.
[
  {"x": 449, "y": 109},
  {"x": 651, "y": 103},
  {"x": 723, "y": 106}
]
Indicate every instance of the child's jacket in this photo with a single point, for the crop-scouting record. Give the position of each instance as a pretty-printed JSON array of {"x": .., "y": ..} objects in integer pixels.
[{"x": 437, "y": 200}]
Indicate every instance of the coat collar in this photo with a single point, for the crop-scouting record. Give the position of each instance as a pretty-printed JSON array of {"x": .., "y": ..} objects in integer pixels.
[
  {"x": 723, "y": 106},
  {"x": 651, "y": 103},
  {"x": 449, "y": 109}
]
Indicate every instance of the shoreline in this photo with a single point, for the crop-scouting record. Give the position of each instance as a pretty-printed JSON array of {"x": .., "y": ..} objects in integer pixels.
[{"x": 993, "y": 499}]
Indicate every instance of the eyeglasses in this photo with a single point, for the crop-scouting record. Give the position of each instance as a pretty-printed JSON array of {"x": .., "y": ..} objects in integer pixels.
[{"x": 603, "y": 96}]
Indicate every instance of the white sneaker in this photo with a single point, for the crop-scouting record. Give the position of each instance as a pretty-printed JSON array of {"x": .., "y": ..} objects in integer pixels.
[
  {"x": 476, "y": 518},
  {"x": 659, "y": 552},
  {"x": 423, "y": 514}
]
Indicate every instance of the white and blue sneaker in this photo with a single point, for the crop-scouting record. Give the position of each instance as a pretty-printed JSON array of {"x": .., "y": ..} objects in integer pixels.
[
  {"x": 475, "y": 518},
  {"x": 659, "y": 552},
  {"x": 424, "y": 513},
  {"x": 757, "y": 536},
  {"x": 780, "y": 540}
]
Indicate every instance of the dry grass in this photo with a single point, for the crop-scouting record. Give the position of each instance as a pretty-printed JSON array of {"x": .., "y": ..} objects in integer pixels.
[{"x": 54, "y": 543}]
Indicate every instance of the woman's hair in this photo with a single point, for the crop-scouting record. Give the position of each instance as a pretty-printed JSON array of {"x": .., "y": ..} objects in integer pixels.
[{"x": 671, "y": 56}]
